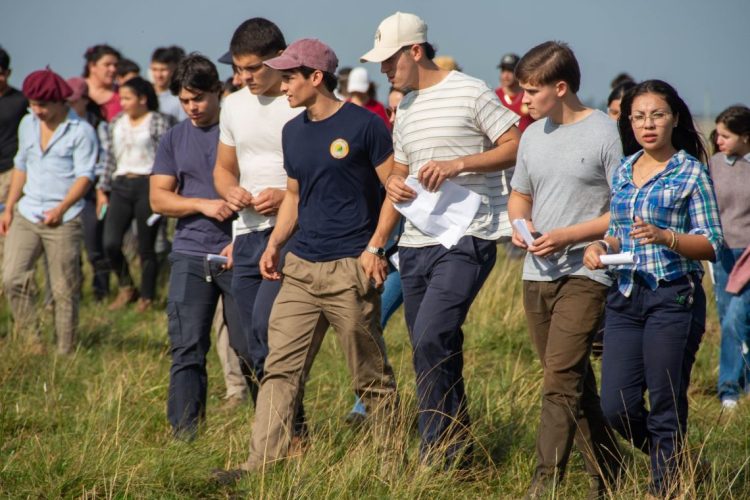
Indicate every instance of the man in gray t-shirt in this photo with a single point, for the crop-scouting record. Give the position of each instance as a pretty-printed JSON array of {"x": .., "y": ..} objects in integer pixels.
[
  {"x": 567, "y": 170},
  {"x": 561, "y": 188}
]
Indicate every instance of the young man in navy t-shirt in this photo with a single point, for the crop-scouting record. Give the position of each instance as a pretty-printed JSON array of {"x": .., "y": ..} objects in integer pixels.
[
  {"x": 334, "y": 155},
  {"x": 182, "y": 187}
]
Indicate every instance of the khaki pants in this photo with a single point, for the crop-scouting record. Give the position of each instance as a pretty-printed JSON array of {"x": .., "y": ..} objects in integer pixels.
[
  {"x": 312, "y": 296},
  {"x": 62, "y": 247},
  {"x": 563, "y": 316},
  {"x": 230, "y": 362},
  {"x": 4, "y": 187}
]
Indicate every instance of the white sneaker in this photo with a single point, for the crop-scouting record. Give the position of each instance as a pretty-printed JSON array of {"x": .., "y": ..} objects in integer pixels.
[{"x": 729, "y": 403}]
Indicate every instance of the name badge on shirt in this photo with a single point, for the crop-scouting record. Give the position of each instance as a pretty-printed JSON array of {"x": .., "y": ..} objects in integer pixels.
[{"x": 339, "y": 149}]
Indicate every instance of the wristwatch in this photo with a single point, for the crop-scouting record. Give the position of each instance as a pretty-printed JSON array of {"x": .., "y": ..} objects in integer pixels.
[{"x": 379, "y": 251}]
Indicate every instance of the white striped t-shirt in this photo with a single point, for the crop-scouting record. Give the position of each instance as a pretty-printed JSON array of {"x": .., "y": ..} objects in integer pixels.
[{"x": 457, "y": 117}]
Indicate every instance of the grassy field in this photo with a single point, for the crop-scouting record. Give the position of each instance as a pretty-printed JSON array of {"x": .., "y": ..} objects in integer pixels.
[{"x": 93, "y": 425}]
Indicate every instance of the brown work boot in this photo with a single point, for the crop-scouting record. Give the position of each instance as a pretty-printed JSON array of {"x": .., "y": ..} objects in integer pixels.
[
  {"x": 124, "y": 297},
  {"x": 143, "y": 305}
]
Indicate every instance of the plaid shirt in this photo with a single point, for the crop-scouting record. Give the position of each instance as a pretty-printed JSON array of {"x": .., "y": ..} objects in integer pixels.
[
  {"x": 680, "y": 198},
  {"x": 160, "y": 123}
]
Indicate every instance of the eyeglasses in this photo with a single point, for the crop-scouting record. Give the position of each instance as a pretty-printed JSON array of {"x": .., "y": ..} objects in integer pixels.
[{"x": 658, "y": 118}]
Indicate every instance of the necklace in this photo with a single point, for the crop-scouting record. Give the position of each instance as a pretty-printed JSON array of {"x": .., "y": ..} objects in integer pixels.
[{"x": 648, "y": 174}]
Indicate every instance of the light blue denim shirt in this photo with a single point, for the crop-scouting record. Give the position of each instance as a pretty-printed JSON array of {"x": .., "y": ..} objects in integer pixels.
[{"x": 71, "y": 153}]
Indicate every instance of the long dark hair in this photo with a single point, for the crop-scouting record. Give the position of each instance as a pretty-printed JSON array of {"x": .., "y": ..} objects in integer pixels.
[
  {"x": 684, "y": 135},
  {"x": 141, "y": 88},
  {"x": 93, "y": 54}
]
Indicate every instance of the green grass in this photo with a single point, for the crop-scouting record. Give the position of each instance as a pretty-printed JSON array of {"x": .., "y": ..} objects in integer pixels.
[{"x": 93, "y": 424}]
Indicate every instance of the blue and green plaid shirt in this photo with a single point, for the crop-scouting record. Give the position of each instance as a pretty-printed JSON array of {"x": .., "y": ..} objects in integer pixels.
[{"x": 680, "y": 198}]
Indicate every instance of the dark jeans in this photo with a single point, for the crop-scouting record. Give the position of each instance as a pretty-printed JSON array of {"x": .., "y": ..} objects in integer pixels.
[
  {"x": 651, "y": 339},
  {"x": 255, "y": 297},
  {"x": 190, "y": 307},
  {"x": 128, "y": 200},
  {"x": 439, "y": 286},
  {"x": 563, "y": 316},
  {"x": 93, "y": 240}
]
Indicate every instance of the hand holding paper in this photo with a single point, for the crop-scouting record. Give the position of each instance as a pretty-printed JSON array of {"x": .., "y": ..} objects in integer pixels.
[
  {"x": 444, "y": 214},
  {"x": 523, "y": 230}
]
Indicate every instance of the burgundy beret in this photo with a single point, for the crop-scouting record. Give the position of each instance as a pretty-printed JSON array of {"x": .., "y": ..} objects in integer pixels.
[{"x": 46, "y": 85}]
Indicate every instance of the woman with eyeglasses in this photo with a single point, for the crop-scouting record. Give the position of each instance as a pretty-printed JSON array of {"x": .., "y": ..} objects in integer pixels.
[
  {"x": 664, "y": 213},
  {"x": 730, "y": 172}
]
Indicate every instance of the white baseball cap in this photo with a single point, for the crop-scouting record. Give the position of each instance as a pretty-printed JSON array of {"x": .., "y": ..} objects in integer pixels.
[
  {"x": 396, "y": 31},
  {"x": 358, "y": 80}
]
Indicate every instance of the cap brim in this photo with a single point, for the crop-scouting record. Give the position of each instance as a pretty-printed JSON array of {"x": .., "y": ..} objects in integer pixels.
[
  {"x": 226, "y": 58},
  {"x": 379, "y": 54},
  {"x": 282, "y": 62}
]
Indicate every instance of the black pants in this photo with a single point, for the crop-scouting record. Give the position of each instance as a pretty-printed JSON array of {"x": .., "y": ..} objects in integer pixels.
[
  {"x": 129, "y": 200},
  {"x": 93, "y": 240},
  {"x": 190, "y": 308}
]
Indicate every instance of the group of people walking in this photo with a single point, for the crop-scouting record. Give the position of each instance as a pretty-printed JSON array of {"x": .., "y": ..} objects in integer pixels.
[{"x": 288, "y": 201}]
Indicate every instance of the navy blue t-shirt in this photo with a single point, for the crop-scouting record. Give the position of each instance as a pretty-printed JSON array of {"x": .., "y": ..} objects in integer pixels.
[
  {"x": 334, "y": 161},
  {"x": 188, "y": 153}
]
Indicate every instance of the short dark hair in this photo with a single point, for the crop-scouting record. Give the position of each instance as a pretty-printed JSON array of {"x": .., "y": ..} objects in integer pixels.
[
  {"x": 143, "y": 88},
  {"x": 257, "y": 36},
  {"x": 168, "y": 55},
  {"x": 125, "y": 66},
  {"x": 96, "y": 52},
  {"x": 548, "y": 63},
  {"x": 4, "y": 59},
  {"x": 427, "y": 47},
  {"x": 329, "y": 79},
  {"x": 429, "y": 50},
  {"x": 684, "y": 135},
  {"x": 195, "y": 72}
]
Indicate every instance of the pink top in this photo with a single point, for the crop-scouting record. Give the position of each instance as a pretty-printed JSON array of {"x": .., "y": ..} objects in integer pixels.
[{"x": 111, "y": 108}]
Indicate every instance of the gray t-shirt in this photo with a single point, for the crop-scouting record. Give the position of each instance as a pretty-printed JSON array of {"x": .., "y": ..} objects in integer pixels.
[{"x": 567, "y": 170}]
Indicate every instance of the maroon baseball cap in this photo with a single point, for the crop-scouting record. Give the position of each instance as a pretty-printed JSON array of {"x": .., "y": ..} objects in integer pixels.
[{"x": 309, "y": 52}]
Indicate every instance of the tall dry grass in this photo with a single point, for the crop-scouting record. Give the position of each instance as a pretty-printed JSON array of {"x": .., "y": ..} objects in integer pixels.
[{"x": 93, "y": 425}]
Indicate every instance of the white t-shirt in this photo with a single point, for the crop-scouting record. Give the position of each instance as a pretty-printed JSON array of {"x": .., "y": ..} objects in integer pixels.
[
  {"x": 134, "y": 151},
  {"x": 457, "y": 117},
  {"x": 252, "y": 124}
]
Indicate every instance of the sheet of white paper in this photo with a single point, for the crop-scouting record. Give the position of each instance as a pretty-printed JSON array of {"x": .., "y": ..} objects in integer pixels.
[
  {"x": 618, "y": 259},
  {"x": 523, "y": 230},
  {"x": 444, "y": 214},
  {"x": 394, "y": 260},
  {"x": 153, "y": 219}
]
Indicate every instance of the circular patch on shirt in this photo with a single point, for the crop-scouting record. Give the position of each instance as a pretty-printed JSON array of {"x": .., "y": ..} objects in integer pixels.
[{"x": 339, "y": 148}]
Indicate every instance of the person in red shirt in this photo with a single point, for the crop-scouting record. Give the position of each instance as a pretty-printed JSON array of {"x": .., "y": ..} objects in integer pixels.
[
  {"x": 362, "y": 93},
  {"x": 510, "y": 92},
  {"x": 100, "y": 71}
]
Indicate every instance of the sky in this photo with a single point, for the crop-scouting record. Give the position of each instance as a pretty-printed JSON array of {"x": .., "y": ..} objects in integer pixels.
[{"x": 699, "y": 46}]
